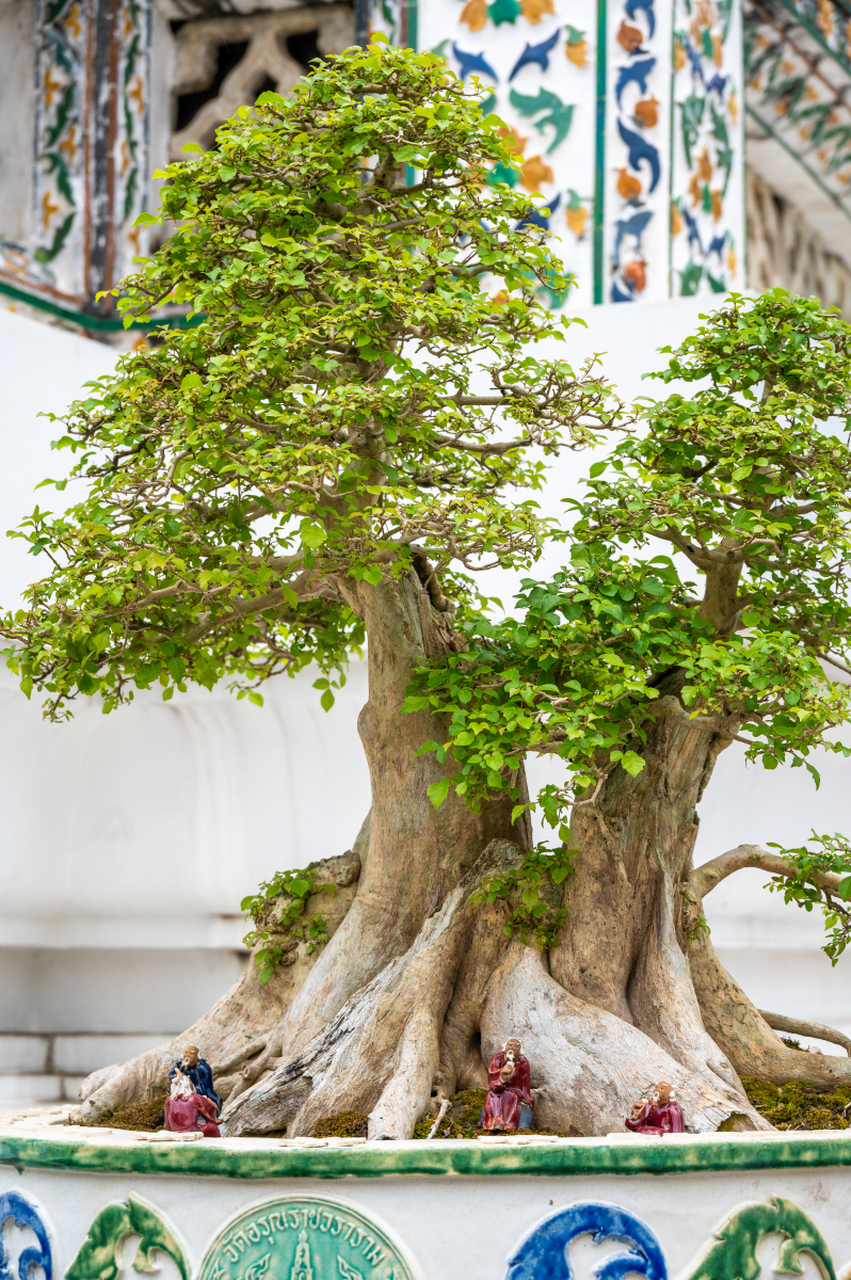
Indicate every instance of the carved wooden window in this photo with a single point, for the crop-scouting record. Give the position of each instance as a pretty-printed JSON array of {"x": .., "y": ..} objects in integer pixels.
[
  {"x": 223, "y": 63},
  {"x": 783, "y": 250}
]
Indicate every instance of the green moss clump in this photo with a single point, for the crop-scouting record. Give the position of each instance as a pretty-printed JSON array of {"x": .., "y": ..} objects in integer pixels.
[
  {"x": 146, "y": 1117},
  {"x": 462, "y": 1118},
  {"x": 348, "y": 1124},
  {"x": 797, "y": 1106},
  {"x": 460, "y": 1121}
]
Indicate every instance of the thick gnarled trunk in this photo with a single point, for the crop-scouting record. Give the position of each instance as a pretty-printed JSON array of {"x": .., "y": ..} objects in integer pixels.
[
  {"x": 417, "y": 854},
  {"x": 611, "y": 1010},
  {"x": 411, "y": 857},
  {"x": 623, "y": 947},
  {"x": 417, "y": 987}
]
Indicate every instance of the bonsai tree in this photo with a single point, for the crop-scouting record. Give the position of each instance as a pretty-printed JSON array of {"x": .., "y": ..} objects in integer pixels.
[
  {"x": 704, "y": 602},
  {"x": 320, "y": 464}
]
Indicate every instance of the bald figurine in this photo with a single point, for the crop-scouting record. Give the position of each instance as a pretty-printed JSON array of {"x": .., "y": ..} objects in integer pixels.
[
  {"x": 509, "y": 1103},
  {"x": 198, "y": 1071},
  {"x": 660, "y": 1115}
]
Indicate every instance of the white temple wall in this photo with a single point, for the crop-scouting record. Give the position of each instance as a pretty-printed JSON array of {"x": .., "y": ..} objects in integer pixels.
[{"x": 128, "y": 840}]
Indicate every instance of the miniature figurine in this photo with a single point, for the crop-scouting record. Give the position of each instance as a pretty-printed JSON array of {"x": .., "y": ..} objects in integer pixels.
[
  {"x": 661, "y": 1115},
  {"x": 198, "y": 1070},
  {"x": 187, "y": 1111},
  {"x": 509, "y": 1103}
]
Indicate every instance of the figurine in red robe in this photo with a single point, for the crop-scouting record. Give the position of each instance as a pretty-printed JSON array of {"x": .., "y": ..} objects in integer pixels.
[
  {"x": 661, "y": 1115},
  {"x": 509, "y": 1095},
  {"x": 187, "y": 1111}
]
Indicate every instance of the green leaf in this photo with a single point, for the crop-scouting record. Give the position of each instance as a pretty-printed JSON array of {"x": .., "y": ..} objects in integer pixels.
[
  {"x": 632, "y": 762},
  {"x": 312, "y": 535},
  {"x": 438, "y": 791}
]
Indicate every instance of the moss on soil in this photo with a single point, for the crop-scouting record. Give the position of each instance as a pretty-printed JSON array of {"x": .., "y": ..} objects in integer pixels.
[
  {"x": 460, "y": 1121},
  {"x": 795, "y": 1106},
  {"x": 462, "y": 1118},
  {"x": 790, "y": 1106},
  {"x": 349, "y": 1124},
  {"x": 144, "y": 1116}
]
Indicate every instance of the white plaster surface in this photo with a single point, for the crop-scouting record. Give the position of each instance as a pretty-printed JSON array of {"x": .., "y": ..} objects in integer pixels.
[{"x": 461, "y": 1228}]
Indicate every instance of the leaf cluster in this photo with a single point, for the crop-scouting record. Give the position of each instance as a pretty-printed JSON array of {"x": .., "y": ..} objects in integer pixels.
[
  {"x": 807, "y": 888},
  {"x": 536, "y": 917},
  {"x": 279, "y": 912}
]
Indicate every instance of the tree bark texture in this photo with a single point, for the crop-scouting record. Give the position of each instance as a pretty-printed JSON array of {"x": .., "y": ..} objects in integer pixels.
[{"x": 418, "y": 987}]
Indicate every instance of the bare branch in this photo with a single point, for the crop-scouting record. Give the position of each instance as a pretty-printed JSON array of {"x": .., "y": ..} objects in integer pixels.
[
  {"x": 834, "y": 662},
  {"x": 670, "y": 709},
  {"x": 493, "y": 447},
  {"x": 797, "y": 1027},
  {"x": 704, "y": 879}
]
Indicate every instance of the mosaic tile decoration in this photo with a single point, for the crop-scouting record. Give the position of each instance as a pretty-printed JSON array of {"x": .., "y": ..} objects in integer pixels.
[
  {"x": 90, "y": 148},
  {"x": 19, "y": 1212},
  {"x": 829, "y": 22},
  {"x": 804, "y": 108},
  {"x": 731, "y": 1254},
  {"x": 305, "y": 1237},
  {"x": 707, "y": 199},
  {"x": 537, "y": 59},
  {"x": 309, "y": 1236},
  {"x": 637, "y": 150},
  {"x": 626, "y": 116}
]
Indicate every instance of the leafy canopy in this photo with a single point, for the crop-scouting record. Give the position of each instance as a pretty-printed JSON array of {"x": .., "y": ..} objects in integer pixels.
[
  {"x": 707, "y": 577},
  {"x": 361, "y": 390}
]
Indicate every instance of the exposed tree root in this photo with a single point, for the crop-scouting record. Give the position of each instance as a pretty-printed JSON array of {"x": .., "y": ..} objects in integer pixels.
[
  {"x": 744, "y": 1035},
  {"x": 418, "y": 988},
  {"x": 242, "y": 1027},
  {"x": 594, "y": 1065},
  {"x": 431, "y": 1016},
  {"x": 381, "y": 1053},
  {"x": 665, "y": 1006}
]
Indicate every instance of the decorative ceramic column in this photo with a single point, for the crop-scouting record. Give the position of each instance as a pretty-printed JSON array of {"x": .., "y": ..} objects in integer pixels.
[
  {"x": 90, "y": 150},
  {"x": 626, "y": 117},
  {"x": 707, "y": 173}
]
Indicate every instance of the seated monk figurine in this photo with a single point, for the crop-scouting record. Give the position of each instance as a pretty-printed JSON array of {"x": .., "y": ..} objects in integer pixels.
[
  {"x": 662, "y": 1114},
  {"x": 509, "y": 1103},
  {"x": 187, "y": 1111},
  {"x": 198, "y": 1070}
]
